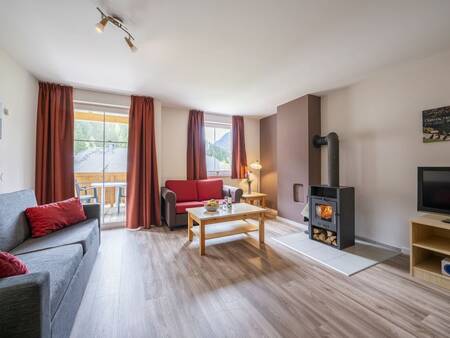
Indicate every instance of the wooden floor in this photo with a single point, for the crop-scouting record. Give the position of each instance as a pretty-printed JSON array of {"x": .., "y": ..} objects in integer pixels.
[{"x": 155, "y": 284}]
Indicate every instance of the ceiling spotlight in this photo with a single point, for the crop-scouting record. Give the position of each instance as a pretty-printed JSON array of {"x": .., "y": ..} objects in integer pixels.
[
  {"x": 129, "y": 40},
  {"x": 118, "y": 22},
  {"x": 101, "y": 25}
]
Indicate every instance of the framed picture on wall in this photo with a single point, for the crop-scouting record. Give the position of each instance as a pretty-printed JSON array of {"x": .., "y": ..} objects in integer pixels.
[{"x": 436, "y": 124}]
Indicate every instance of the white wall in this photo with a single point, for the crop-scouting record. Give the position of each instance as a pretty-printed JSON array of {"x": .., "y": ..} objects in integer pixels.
[
  {"x": 174, "y": 142},
  {"x": 91, "y": 99},
  {"x": 18, "y": 93},
  {"x": 379, "y": 124}
]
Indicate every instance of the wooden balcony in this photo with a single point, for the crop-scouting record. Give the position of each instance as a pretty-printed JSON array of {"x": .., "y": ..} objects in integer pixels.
[
  {"x": 112, "y": 212},
  {"x": 87, "y": 179}
]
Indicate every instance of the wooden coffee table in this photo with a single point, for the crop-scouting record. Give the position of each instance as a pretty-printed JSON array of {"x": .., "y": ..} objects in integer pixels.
[{"x": 224, "y": 222}]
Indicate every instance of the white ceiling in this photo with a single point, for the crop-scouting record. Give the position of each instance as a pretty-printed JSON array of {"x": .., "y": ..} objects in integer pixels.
[{"x": 234, "y": 57}]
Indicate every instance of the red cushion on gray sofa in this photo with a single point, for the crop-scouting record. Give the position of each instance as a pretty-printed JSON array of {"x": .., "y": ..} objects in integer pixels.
[
  {"x": 210, "y": 189},
  {"x": 181, "y": 207},
  {"x": 10, "y": 265},
  {"x": 47, "y": 218},
  {"x": 186, "y": 190}
]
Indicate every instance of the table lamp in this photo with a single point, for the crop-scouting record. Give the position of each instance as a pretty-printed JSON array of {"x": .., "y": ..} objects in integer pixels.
[{"x": 256, "y": 166}]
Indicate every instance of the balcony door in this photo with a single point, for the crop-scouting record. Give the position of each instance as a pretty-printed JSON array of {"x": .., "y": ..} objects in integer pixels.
[{"x": 100, "y": 150}]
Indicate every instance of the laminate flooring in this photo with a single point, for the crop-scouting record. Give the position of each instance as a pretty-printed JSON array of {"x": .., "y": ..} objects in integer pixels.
[{"x": 154, "y": 284}]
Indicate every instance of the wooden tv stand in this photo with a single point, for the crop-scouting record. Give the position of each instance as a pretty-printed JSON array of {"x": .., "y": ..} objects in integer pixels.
[{"x": 430, "y": 243}]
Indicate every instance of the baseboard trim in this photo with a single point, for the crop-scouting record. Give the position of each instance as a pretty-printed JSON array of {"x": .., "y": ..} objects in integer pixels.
[
  {"x": 386, "y": 246},
  {"x": 406, "y": 251}
]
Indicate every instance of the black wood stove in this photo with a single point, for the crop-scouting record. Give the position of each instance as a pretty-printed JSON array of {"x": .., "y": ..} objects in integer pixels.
[
  {"x": 332, "y": 207},
  {"x": 332, "y": 215}
]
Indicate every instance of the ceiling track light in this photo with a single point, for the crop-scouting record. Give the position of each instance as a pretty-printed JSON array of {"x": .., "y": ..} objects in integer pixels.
[
  {"x": 118, "y": 22},
  {"x": 129, "y": 40}
]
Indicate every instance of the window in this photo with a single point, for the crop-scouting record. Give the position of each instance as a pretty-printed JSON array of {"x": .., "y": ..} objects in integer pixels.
[
  {"x": 218, "y": 149},
  {"x": 101, "y": 141},
  {"x": 100, "y": 161}
]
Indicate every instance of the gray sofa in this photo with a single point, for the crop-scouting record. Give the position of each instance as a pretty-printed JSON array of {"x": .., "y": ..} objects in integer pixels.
[
  {"x": 44, "y": 302},
  {"x": 169, "y": 201}
]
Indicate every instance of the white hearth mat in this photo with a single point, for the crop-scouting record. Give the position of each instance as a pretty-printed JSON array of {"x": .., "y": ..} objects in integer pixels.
[{"x": 348, "y": 261}]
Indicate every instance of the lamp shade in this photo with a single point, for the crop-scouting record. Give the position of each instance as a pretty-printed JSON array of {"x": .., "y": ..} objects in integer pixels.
[
  {"x": 131, "y": 44},
  {"x": 101, "y": 25},
  {"x": 256, "y": 165}
]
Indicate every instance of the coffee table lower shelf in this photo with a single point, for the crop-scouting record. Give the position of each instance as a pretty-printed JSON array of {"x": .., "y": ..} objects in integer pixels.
[
  {"x": 224, "y": 223},
  {"x": 225, "y": 229}
]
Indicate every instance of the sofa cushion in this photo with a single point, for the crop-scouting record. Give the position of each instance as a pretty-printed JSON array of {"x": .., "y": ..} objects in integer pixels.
[
  {"x": 85, "y": 233},
  {"x": 14, "y": 228},
  {"x": 185, "y": 190},
  {"x": 48, "y": 218},
  {"x": 209, "y": 189},
  {"x": 182, "y": 206},
  {"x": 61, "y": 263},
  {"x": 10, "y": 265}
]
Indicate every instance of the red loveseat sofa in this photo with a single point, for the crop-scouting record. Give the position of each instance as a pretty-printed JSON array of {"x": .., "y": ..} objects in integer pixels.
[{"x": 178, "y": 195}]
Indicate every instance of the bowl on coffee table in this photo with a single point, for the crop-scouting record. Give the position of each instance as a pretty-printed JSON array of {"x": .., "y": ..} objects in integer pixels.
[{"x": 212, "y": 205}]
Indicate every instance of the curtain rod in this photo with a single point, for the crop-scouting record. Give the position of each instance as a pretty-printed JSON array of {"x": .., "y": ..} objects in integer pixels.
[{"x": 101, "y": 104}]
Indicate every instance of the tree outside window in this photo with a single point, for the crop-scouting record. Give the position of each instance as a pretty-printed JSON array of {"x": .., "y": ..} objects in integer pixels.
[{"x": 218, "y": 149}]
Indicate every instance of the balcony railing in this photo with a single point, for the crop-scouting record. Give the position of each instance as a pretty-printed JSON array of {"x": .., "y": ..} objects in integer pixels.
[
  {"x": 88, "y": 179},
  {"x": 99, "y": 184}
]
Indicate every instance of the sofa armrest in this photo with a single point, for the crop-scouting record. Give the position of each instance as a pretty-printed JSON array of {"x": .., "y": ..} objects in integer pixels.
[
  {"x": 168, "y": 205},
  {"x": 93, "y": 211},
  {"x": 168, "y": 195},
  {"x": 235, "y": 192},
  {"x": 25, "y": 305}
]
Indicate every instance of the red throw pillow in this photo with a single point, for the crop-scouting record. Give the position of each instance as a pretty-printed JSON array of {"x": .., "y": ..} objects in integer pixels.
[
  {"x": 10, "y": 265},
  {"x": 48, "y": 218}
]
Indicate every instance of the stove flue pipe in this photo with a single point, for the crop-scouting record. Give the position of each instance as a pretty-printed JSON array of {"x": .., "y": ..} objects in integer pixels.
[{"x": 332, "y": 140}]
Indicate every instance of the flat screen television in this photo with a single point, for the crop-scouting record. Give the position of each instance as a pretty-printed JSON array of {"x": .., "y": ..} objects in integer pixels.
[{"x": 433, "y": 189}]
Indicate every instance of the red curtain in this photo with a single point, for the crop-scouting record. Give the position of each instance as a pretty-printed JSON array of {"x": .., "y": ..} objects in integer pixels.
[
  {"x": 196, "y": 155},
  {"x": 239, "y": 156},
  {"x": 54, "y": 143},
  {"x": 143, "y": 204}
]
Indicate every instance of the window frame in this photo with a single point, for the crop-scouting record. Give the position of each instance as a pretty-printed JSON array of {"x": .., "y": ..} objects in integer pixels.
[{"x": 219, "y": 173}]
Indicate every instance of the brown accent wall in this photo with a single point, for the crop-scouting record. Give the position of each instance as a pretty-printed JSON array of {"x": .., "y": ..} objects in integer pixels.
[
  {"x": 268, "y": 154},
  {"x": 314, "y": 128},
  {"x": 298, "y": 162}
]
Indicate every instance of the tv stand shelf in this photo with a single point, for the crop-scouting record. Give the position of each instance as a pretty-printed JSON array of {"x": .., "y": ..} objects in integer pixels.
[
  {"x": 435, "y": 243},
  {"x": 430, "y": 243}
]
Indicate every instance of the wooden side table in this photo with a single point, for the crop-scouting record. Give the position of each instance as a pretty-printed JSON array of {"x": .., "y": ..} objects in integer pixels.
[{"x": 255, "y": 197}]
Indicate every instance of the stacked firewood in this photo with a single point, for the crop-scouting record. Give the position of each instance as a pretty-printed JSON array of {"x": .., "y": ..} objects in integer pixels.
[{"x": 325, "y": 236}]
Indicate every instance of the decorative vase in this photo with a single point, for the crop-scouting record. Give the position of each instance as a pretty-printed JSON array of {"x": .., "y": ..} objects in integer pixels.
[{"x": 249, "y": 187}]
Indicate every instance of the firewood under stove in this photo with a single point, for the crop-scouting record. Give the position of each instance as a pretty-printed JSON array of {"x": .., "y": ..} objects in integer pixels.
[{"x": 325, "y": 236}]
